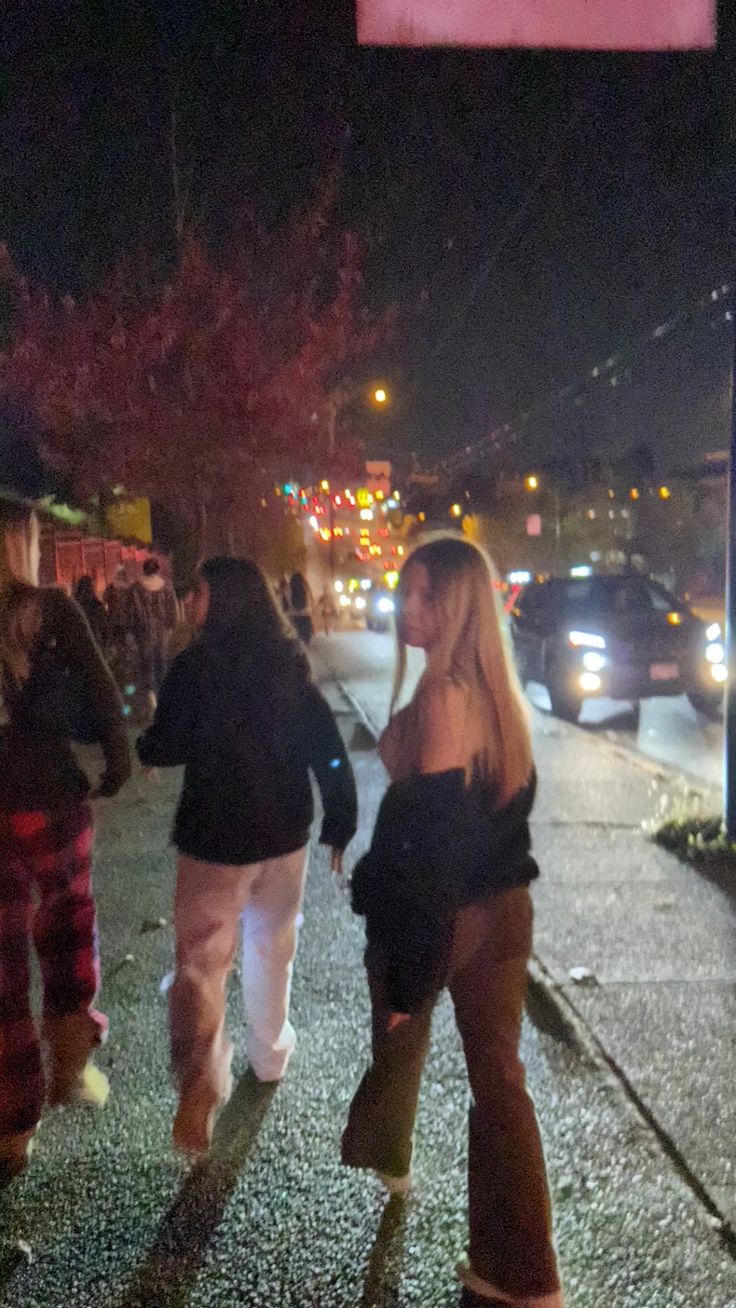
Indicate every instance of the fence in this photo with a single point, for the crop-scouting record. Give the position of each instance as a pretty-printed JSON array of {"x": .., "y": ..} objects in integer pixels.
[{"x": 67, "y": 556}]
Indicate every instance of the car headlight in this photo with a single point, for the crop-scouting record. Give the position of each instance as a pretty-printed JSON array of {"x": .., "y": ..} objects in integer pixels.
[
  {"x": 385, "y": 605},
  {"x": 586, "y": 640},
  {"x": 715, "y": 653},
  {"x": 713, "y": 632},
  {"x": 593, "y": 661},
  {"x": 359, "y": 602},
  {"x": 589, "y": 682},
  {"x": 719, "y": 673}
]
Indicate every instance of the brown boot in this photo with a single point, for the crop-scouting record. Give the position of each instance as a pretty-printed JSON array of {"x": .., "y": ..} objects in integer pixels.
[{"x": 72, "y": 1076}]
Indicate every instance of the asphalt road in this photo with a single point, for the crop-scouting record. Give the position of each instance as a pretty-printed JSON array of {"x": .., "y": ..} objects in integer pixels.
[
  {"x": 669, "y": 731},
  {"x": 109, "y": 1217}
]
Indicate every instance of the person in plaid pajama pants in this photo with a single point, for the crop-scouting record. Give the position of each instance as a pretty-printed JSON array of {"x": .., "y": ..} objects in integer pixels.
[
  {"x": 47, "y": 857},
  {"x": 46, "y": 838}
]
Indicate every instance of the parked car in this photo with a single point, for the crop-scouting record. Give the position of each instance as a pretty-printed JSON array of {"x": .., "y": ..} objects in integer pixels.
[{"x": 624, "y": 637}]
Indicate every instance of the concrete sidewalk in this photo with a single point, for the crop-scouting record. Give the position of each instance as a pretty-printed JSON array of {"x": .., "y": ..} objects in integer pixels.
[{"x": 651, "y": 943}]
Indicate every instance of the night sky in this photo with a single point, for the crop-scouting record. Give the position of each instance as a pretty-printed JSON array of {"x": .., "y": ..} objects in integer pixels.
[{"x": 598, "y": 186}]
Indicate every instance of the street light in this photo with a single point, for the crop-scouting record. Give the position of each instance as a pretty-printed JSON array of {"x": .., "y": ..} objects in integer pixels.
[
  {"x": 531, "y": 482},
  {"x": 456, "y": 511},
  {"x": 380, "y": 395},
  {"x": 664, "y": 492}
]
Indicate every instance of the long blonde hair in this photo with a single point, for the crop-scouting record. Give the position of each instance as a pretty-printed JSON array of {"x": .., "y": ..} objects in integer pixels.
[
  {"x": 472, "y": 651},
  {"x": 20, "y": 608}
]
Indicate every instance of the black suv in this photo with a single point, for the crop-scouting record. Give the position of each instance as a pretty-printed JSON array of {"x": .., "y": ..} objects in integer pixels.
[{"x": 624, "y": 637}]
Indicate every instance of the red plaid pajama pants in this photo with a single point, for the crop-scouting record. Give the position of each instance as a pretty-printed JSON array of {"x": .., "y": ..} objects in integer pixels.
[{"x": 46, "y": 898}]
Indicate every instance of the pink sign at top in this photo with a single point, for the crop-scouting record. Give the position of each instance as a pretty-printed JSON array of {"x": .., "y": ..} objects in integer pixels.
[{"x": 572, "y": 24}]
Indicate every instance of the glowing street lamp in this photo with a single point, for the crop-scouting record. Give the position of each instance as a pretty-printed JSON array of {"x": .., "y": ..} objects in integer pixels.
[
  {"x": 456, "y": 511},
  {"x": 531, "y": 482},
  {"x": 380, "y": 395}
]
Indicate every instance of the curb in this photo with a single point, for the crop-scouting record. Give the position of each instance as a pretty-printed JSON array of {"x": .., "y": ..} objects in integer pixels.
[{"x": 553, "y": 1001}]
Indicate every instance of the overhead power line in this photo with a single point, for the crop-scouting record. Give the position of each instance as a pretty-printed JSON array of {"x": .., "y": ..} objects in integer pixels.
[
  {"x": 607, "y": 371},
  {"x": 535, "y": 186}
]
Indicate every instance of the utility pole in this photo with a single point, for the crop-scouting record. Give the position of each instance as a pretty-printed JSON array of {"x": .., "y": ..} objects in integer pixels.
[{"x": 729, "y": 752}]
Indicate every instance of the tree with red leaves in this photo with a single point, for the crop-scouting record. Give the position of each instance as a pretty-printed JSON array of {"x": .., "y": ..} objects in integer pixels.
[{"x": 198, "y": 393}]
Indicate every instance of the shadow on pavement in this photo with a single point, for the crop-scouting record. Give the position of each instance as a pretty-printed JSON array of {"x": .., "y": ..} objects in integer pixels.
[
  {"x": 622, "y": 718},
  {"x": 180, "y": 1247},
  {"x": 383, "y": 1273},
  {"x": 547, "y": 1017}
]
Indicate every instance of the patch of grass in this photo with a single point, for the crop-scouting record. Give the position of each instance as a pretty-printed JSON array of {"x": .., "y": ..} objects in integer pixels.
[{"x": 682, "y": 825}]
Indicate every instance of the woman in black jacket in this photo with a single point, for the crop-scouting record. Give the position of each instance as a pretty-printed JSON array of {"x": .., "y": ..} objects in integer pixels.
[
  {"x": 444, "y": 890},
  {"x": 240, "y": 710}
]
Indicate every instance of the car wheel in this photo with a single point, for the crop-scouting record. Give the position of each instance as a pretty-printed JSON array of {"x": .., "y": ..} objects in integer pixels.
[
  {"x": 707, "y": 704},
  {"x": 565, "y": 703}
]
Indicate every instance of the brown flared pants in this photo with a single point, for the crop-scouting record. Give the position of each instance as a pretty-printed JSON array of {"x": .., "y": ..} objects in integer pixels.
[{"x": 511, "y": 1247}]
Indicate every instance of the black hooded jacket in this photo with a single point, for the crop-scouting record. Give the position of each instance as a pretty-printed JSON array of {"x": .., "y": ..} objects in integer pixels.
[{"x": 247, "y": 794}]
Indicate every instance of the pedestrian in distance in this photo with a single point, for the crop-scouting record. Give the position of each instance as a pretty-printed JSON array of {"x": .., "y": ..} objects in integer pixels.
[
  {"x": 283, "y": 593},
  {"x": 327, "y": 610},
  {"x": 153, "y": 616},
  {"x": 240, "y": 711},
  {"x": 444, "y": 889},
  {"x": 300, "y": 607},
  {"x": 94, "y": 610},
  {"x": 54, "y": 687},
  {"x": 116, "y": 599}
]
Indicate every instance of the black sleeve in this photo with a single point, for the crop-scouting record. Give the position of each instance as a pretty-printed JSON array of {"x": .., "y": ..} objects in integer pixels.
[
  {"x": 77, "y": 646},
  {"x": 409, "y": 884},
  {"x": 167, "y": 742},
  {"x": 325, "y": 754}
]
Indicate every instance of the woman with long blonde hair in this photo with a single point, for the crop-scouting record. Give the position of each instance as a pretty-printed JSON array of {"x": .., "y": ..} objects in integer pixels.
[
  {"x": 51, "y": 672},
  {"x": 444, "y": 889}
]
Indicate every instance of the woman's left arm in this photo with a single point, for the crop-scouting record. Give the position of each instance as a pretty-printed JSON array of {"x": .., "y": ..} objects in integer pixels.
[{"x": 326, "y": 755}]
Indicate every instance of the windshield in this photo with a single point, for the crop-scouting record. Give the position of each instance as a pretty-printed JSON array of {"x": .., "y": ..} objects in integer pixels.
[{"x": 612, "y": 596}]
